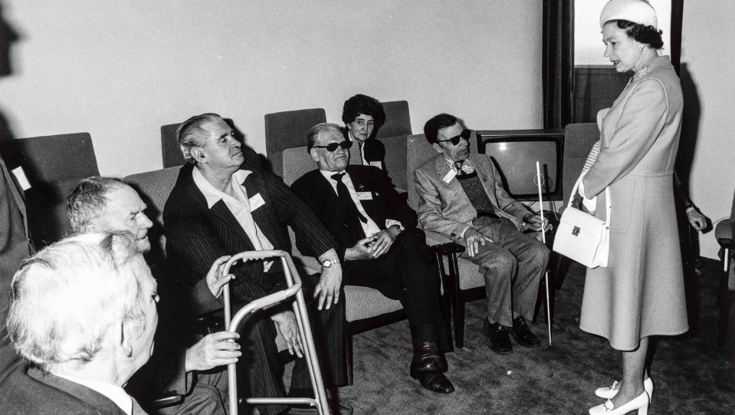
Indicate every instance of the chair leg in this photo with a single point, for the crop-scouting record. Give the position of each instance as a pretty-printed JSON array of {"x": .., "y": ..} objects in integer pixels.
[
  {"x": 348, "y": 358},
  {"x": 725, "y": 299},
  {"x": 458, "y": 312}
]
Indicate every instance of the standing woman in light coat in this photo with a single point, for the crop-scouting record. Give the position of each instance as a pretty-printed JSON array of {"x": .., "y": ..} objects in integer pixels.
[{"x": 641, "y": 291}]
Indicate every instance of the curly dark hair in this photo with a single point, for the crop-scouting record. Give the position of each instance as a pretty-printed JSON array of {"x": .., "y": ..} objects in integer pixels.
[
  {"x": 363, "y": 104},
  {"x": 641, "y": 33}
]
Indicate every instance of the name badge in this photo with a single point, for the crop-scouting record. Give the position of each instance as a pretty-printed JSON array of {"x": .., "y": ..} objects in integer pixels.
[
  {"x": 377, "y": 164},
  {"x": 20, "y": 175},
  {"x": 364, "y": 195},
  {"x": 448, "y": 178},
  {"x": 256, "y": 202}
]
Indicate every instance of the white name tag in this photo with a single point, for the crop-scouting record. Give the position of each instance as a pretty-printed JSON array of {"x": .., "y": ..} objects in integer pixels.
[
  {"x": 448, "y": 178},
  {"x": 20, "y": 175},
  {"x": 256, "y": 202},
  {"x": 364, "y": 195},
  {"x": 377, "y": 164}
]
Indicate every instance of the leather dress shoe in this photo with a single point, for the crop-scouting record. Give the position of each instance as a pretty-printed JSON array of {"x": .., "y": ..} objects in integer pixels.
[
  {"x": 522, "y": 334},
  {"x": 497, "y": 338},
  {"x": 435, "y": 382},
  {"x": 428, "y": 360}
]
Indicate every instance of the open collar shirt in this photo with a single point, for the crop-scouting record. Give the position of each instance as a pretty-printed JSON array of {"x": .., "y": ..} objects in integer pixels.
[{"x": 239, "y": 206}]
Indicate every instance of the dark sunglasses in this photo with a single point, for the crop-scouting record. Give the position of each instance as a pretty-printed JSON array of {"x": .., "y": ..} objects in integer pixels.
[
  {"x": 333, "y": 146},
  {"x": 455, "y": 140}
]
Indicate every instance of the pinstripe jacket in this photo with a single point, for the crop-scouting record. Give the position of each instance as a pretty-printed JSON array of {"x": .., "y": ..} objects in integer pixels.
[{"x": 197, "y": 236}]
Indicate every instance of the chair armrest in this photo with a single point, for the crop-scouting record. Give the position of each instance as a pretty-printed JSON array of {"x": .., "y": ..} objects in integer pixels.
[
  {"x": 208, "y": 323},
  {"x": 724, "y": 234},
  {"x": 449, "y": 248}
]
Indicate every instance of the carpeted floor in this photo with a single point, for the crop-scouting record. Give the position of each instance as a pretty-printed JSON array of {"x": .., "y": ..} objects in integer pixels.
[{"x": 691, "y": 374}]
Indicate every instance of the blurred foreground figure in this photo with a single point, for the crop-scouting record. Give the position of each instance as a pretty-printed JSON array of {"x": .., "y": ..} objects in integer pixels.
[{"x": 82, "y": 315}]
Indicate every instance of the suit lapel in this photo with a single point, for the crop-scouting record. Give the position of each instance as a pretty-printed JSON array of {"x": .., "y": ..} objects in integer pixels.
[{"x": 222, "y": 213}]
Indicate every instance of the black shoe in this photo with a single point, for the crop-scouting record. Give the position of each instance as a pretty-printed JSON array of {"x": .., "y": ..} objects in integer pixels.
[
  {"x": 435, "y": 382},
  {"x": 522, "y": 334},
  {"x": 428, "y": 360},
  {"x": 497, "y": 338}
]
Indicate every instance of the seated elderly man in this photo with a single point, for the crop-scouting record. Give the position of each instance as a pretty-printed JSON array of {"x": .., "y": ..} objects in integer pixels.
[
  {"x": 378, "y": 244},
  {"x": 462, "y": 197},
  {"x": 106, "y": 204},
  {"x": 225, "y": 203},
  {"x": 83, "y": 316}
]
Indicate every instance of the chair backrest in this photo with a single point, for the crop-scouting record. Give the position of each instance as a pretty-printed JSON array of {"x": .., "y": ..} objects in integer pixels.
[
  {"x": 395, "y": 160},
  {"x": 397, "y": 120},
  {"x": 54, "y": 165},
  {"x": 154, "y": 187},
  {"x": 288, "y": 129},
  {"x": 170, "y": 150},
  {"x": 418, "y": 151},
  {"x": 296, "y": 163},
  {"x": 578, "y": 141},
  {"x": 57, "y": 157}
]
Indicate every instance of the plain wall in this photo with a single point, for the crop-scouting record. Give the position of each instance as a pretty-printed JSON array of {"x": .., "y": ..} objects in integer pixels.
[
  {"x": 708, "y": 139},
  {"x": 121, "y": 69}
]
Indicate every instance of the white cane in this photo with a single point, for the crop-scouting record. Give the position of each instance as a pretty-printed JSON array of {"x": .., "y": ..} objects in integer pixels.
[{"x": 543, "y": 238}]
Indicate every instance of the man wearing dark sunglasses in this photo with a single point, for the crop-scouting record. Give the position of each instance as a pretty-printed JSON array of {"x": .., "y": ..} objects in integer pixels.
[
  {"x": 462, "y": 197},
  {"x": 378, "y": 244}
]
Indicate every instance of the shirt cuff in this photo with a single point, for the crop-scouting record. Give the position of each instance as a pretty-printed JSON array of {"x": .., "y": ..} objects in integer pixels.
[
  {"x": 461, "y": 235},
  {"x": 391, "y": 222}
]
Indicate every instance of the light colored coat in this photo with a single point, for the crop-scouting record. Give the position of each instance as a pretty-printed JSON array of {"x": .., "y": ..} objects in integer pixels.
[
  {"x": 445, "y": 208},
  {"x": 641, "y": 292}
]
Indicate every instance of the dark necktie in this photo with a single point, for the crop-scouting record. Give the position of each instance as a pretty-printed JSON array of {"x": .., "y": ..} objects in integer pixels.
[{"x": 344, "y": 196}]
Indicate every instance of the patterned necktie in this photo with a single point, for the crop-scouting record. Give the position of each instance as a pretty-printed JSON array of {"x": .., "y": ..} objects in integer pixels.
[
  {"x": 464, "y": 167},
  {"x": 344, "y": 196}
]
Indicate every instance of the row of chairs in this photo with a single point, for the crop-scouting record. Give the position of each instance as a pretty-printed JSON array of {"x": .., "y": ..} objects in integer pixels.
[{"x": 54, "y": 176}]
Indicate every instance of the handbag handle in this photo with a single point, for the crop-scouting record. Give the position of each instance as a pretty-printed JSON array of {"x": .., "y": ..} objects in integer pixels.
[{"x": 608, "y": 204}]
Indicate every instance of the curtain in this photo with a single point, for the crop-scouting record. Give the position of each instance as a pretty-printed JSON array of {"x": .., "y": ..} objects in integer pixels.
[{"x": 558, "y": 63}]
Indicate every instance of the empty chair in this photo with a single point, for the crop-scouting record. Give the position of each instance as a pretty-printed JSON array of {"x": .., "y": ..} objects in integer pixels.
[
  {"x": 397, "y": 120},
  {"x": 54, "y": 165}
]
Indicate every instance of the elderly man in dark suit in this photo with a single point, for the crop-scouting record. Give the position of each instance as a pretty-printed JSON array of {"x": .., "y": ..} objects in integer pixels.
[
  {"x": 83, "y": 316},
  {"x": 462, "y": 197},
  {"x": 181, "y": 364},
  {"x": 224, "y": 203},
  {"x": 378, "y": 243}
]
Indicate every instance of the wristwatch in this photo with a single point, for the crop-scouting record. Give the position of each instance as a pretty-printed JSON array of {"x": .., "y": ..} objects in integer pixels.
[{"x": 329, "y": 262}]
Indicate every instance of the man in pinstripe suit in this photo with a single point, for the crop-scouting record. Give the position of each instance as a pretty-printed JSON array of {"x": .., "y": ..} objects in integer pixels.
[{"x": 224, "y": 203}]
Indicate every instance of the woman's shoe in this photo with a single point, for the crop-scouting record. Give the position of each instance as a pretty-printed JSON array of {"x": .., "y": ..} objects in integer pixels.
[
  {"x": 640, "y": 403},
  {"x": 609, "y": 392}
]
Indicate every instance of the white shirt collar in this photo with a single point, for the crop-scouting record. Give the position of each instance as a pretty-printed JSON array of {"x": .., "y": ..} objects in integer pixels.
[
  {"x": 113, "y": 392},
  {"x": 328, "y": 174},
  {"x": 211, "y": 194}
]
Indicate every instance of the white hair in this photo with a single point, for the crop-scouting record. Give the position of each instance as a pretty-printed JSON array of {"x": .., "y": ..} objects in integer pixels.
[{"x": 68, "y": 296}]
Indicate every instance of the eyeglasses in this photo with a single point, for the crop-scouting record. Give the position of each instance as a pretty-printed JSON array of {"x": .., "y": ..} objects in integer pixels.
[
  {"x": 455, "y": 140},
  {"x": 333, "y": 146}
]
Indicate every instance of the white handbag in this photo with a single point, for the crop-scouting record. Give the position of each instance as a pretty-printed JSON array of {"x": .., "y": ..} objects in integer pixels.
[{"x": 583, "y": 237}]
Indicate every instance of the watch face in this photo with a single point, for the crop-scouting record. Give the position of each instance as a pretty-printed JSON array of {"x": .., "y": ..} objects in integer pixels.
[{"x": 327, "y": 263}]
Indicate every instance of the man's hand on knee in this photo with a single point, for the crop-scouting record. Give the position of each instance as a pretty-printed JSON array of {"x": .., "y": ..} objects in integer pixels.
[
  {"x": 472, "y": 241},
  {"x": 213, "y": 350}
]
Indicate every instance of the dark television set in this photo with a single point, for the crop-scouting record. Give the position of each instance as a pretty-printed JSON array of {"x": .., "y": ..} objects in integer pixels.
[{"x": 515, "y": 153}]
